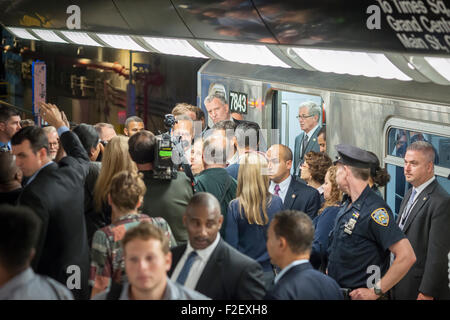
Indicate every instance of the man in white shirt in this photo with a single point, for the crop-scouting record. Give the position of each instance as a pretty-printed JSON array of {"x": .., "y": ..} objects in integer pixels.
[
  {"x": 424, "y": 217},
  {"x": 295, "y": 195},
  {"x": 308, "y": 117},
  {"x": 207, "y": 263}
]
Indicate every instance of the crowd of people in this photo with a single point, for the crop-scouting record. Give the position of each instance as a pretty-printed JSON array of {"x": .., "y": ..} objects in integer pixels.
[{"x": 85, "y": 217}]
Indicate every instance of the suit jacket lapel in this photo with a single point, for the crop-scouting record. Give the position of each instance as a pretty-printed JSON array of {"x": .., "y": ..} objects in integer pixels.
[
  {"x": 290, "y": 195},
  {"x": 212, "y": 269},
  {"x": 422, "y": 199},
  {"x": 297, "y": 151},
  {"x": 311, "y": 141},
  {"x": 403, "y": 205},
  {"x": 177, "y": 253}
]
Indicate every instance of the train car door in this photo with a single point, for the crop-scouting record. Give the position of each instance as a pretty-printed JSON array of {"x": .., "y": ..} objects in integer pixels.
[{"x": 287, "y": 115}]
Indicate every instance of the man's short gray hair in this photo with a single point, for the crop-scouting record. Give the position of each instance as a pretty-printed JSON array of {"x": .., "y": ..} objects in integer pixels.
[
  {"x": 49, "y": 129},
  {"x": 313, "y": 108},
  {"x": 217, "y": 94},
  {"x": 425, "y": 147}
]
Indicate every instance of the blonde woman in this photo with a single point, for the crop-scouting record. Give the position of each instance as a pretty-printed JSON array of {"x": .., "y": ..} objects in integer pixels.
[
  {"x": 324, "y": 222},
  {"x": 250, "y": 213},
  {"x": 115, "y": 158}
]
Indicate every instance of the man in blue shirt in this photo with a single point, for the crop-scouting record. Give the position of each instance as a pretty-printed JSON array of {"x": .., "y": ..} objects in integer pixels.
[
  {"x": 20, "y": 229},
  {"x": 9, "y": 125}
]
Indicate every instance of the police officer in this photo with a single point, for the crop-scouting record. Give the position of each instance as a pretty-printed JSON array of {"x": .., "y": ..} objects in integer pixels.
[{"x": 365, "y": 233}]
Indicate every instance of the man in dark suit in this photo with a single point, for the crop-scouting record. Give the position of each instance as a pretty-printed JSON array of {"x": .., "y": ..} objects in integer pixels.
[
  {"x": 289, "y": 241},
  {"x": 207, "y": 263},
  {"x": 56, "y": 192},
  {"x": 295, "y": 195},
  {"x": 424, "y": 217},
  {"x": 308, "y": 116}
]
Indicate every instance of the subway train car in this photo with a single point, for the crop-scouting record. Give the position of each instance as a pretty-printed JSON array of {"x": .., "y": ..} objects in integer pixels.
[
  {"x": 380, "y": 115},
  {"x": 380, "y": 69}
]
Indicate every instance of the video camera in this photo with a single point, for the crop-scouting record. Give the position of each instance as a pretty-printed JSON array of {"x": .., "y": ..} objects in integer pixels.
[{"x": 164, "y": 168}]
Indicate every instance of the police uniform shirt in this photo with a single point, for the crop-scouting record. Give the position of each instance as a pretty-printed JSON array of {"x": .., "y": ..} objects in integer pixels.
[{"x": 356, "y": 246}]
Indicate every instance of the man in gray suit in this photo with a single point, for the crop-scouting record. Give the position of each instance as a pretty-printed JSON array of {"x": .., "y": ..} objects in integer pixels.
[
  {"x": 308, "y": 116},
  {"x": 424, "y": 217}
]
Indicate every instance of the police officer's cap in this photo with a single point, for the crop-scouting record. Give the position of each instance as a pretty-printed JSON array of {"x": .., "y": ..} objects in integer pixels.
[{"x": 353, "y": 156}]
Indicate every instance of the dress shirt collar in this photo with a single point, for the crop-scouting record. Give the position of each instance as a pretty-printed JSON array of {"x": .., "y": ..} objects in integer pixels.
[
  {"x": 6, "y": 145},
  {"x": 22, "y": 279},
  {"x": 311, "y": 132},
  {"x": 167, "y": 295},
  {"x": 284, "y": 185},
  {"x": 320, "y": 189},
  {"x": 422, "y": 187},
  {"x": 36, "y": 173},
  {"x": 204, "y": 254},
  {"x": 288, "y": 267}
]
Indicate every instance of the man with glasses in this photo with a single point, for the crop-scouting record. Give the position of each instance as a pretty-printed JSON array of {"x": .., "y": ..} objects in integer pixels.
[
  {"x": 53, "y": 141},
  {"x": 308, "y": 117}
]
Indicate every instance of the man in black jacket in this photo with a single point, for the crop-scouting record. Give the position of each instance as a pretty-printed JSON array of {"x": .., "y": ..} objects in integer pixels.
[
  {"x": 55, "y": 192},
  {"x": 207, "y": 263},
  {"x": 424, "y": 217}
]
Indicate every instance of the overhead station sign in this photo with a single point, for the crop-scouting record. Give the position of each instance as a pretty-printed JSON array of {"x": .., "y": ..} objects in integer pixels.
[
  {"x": 412, "y": 26},
  {"x": 422, "y": 25}
]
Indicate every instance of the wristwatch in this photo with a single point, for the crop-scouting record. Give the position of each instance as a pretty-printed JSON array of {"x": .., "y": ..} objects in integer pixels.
[{"x": 377, "y": 290}]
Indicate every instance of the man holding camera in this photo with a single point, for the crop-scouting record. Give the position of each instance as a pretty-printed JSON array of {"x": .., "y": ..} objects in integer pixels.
[{"x": 167, "y": 198}]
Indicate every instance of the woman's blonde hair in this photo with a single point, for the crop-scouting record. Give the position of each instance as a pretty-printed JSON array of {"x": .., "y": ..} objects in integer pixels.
[
  {"x": 115, "y": 158},
  {"x": 335, "y": 193},
  {"x": 253, "y": 188}
]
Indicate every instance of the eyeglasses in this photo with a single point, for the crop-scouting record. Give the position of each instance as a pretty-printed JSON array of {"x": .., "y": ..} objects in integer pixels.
[
  {"x": 50, "y": 144},
  {"x": 304, "y": 117}
]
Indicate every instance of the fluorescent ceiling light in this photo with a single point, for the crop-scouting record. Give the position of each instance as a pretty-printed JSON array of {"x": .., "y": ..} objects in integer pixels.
[
  {"x": 120, "y": 42},
  {"x": 80, "y": 38},
  {"x": 441, "y": 65},
  {"x": 174, "y": 46},
  {"x": 22, "y": 33},
  {"x": 246, "y": 53},
  {"x": 48, "y": 35},
  {"x": 354, "y": 63}
]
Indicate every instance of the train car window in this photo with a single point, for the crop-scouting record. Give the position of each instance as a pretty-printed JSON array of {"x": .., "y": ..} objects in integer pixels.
[{"x": 398, "y": 139}]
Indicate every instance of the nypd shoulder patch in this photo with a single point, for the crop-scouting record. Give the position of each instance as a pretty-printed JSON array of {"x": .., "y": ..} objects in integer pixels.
[{"x": 380, "y": 216}]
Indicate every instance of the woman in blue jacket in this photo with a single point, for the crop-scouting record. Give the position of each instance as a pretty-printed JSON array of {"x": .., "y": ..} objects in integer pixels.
[
  {"x": 324, "y": 222},
  {"x": 249, "y": 215}
]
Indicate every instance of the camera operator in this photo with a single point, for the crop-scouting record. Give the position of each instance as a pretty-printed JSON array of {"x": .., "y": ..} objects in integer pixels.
[{"x": 167, "y": 198}]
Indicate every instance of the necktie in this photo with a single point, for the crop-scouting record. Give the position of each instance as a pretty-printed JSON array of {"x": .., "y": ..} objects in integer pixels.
[
  {"x": 187, "y": 266},
  {"x": 277, "y": 190},
  {"x": 407, "y": 210},
  {"x": 305, "y": 143}
]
